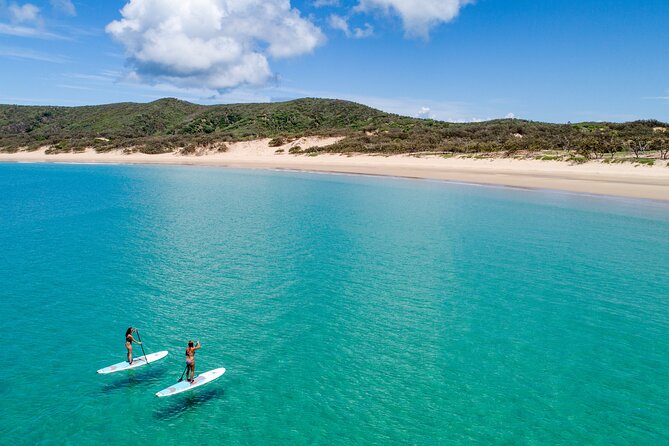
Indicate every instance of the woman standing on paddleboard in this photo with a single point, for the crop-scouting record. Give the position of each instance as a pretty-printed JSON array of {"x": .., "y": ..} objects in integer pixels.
[
  {"x": 190, "y": 360},
  {"x": 128, "y": 342}
]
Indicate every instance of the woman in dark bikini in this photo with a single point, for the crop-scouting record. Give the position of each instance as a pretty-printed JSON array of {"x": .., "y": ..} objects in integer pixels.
[
  {"x": 190, "y": 360},
  {"x": 128, "y": 342}
]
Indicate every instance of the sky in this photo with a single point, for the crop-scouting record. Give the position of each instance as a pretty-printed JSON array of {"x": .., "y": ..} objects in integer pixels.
[{"x": 452, "y": 60}]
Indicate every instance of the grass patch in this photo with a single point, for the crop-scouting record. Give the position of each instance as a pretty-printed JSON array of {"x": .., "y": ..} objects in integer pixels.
[{"x": 578, "y": 159}]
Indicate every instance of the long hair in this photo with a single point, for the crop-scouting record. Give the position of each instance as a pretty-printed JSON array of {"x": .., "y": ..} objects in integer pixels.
[
  {"x": 190, "y": 343},
  {"x": 128, "y": 332}
]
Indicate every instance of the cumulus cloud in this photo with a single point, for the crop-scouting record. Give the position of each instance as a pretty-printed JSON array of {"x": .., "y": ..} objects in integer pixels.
[
  {"x": 64, "y": 6},
  {"x": 341, "y": 23},
  {"x": 418, "y": 16},
  {"x": 361, "y": 33},
  {"x": 216, "y": 44},
  {"x": 510, "y": 116},
  {"x": 24, "y": 21},
  {"x": 425, "y": 113},
  {"x": 27, "y": 13}
]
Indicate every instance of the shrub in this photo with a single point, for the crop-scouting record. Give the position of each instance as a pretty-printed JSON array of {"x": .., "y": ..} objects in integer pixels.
[{"x": 276, "y": 142}]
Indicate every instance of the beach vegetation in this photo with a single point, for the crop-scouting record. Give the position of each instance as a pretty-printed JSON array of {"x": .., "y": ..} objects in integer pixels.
[
  {"x": 637, "y": 145},
  {"x": 277, "y": 142},
  {"x": 578, "y": 159},
  {"x": 662, "y": 146},
  {"x": 171, "y": 125}
]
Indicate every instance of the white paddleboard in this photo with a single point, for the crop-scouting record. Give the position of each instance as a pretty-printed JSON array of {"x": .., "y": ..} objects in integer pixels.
[
  {"x": 136, "y": 362},
  {"x": 185, "y": 386}
]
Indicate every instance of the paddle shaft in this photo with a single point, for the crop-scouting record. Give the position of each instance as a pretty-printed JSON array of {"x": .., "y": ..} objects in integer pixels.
[
  {"x": 182, "y": 374},
  {"x": 142, "y": 345}
]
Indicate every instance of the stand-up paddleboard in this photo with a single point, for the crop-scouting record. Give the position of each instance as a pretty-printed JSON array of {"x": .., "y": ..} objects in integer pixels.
[
  {"x": 184, "y": 386},
  {"x": 136, "y": 362}
]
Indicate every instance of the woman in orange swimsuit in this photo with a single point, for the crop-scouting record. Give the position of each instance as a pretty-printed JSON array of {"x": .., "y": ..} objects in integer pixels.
[
  {"x": 190, "y": 360},
  {"x": 128, "y": 342}
]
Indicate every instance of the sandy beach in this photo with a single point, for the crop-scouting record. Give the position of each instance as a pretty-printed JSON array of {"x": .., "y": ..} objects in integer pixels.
[{"x": 625, "y": 180}]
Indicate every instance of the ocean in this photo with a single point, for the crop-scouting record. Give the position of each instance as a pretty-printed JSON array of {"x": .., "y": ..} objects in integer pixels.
[{"x": 346, "y": 309}]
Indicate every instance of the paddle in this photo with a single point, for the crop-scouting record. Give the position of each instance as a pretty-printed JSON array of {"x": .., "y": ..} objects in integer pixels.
[
  {"x": 182, "y": 374},
  {"x": 142, "y": 345}
]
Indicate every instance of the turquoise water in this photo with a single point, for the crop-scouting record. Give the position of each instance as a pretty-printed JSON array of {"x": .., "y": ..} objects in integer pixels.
[{"x": 347, "y": 310}]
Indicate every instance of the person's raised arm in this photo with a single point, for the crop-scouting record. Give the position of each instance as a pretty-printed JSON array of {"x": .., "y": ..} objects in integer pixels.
[{"x": 197, "y": 347}]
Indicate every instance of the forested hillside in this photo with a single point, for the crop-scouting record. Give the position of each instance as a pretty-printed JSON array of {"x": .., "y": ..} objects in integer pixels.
[{"x": 170, "y": 124}]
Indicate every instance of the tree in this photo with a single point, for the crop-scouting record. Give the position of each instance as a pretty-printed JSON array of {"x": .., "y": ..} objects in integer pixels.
[
  {"x": 637, "y": 145},
  {"x": 614, "y": 143},
  {"x": 661, "y": 145},
  {"x": 591, "y": 145}
]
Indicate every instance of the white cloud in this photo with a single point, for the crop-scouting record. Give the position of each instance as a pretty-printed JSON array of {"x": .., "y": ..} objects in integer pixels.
[
  {"x": 25, "y": 31},
  {"x": 418, "y": 16},
  {"x": 24, "y": 21},
  {"x": 23, "y": 53},
  {"x": 425, "y": 113},
  {"x": 341, "y": 23},
  {"x": 664, "y": 98},
  {"x": 322, "y": 3},
  {"x": 338, "y": 22},
  {"x": 27, "y": 13},
  {"x": 216, "y": 44},
  {"x": 64, "y": 6},
  {"x": 510, "y": 116},
  {"x": 361, "y": 33},
  {"x": 74, "y": 87}
]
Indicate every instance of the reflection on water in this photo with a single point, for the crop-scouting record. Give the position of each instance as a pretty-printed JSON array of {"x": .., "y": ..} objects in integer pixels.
[{"x": 180, "y": 404}]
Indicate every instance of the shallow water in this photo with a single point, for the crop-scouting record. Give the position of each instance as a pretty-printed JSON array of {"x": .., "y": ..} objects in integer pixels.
[{"x": 346, "y": 309}]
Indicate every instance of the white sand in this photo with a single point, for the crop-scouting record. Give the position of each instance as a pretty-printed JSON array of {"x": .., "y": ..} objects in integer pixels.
[{"x": 625, "y": 180}]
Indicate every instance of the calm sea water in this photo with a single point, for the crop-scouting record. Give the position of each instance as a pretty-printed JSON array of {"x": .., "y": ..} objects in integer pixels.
[{"x": 347, "y": 310}]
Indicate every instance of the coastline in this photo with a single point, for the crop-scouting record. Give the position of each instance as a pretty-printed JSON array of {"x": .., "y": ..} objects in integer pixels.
[{"x": 623, "y": 180}]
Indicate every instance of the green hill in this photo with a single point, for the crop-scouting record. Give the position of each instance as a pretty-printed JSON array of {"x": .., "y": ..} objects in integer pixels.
[{"x": 170, "y": 124}]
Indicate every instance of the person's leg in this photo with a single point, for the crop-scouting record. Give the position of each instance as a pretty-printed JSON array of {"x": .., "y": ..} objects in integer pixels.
[
  {"x": 192, "y": 376},
  {"x": 129, "y": 355}
]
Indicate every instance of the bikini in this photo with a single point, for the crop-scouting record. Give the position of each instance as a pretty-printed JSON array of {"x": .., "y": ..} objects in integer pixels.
[{"x": 128, "y": 344}]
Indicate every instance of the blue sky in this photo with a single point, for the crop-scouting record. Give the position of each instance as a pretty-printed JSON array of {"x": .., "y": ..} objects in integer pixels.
[{"x": 459, "y": 60}]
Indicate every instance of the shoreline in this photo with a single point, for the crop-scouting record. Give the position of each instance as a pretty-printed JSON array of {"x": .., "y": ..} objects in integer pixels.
[{"x": 593, "y": 178}]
